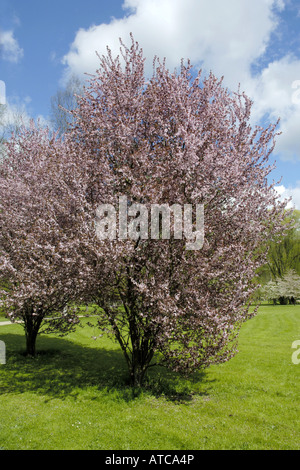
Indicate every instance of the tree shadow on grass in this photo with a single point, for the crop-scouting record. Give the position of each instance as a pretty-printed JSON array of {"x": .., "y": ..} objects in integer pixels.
[{"x": 64, "y": 369}]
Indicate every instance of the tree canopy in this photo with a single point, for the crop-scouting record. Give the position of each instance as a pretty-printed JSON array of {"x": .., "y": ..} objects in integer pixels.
[{"x": 175, "y": 139}]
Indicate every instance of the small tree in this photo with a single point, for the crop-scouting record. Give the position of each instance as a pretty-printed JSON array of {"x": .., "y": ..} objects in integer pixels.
[
  {"x": 184, "y": 140},
  {"x": 291, "y": 286},
  {"x": 63, "y": 102},
  {"x": 38, "y": 256},
  {"x": 283, "y": 290}
]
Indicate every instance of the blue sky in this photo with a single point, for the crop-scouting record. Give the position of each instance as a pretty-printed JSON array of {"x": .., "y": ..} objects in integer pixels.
[{"x": 256, "y": 44}]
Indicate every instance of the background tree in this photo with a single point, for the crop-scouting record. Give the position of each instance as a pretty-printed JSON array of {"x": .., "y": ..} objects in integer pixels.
[
  {"x": 64, "y": 101},
  {"x": 284, "y": 254},
  {"x": 283, "y": 290},
  {"x": 174, "y": 139},
  {"x": 12, "y": 119},
  {"x": 39, "y": 259}
]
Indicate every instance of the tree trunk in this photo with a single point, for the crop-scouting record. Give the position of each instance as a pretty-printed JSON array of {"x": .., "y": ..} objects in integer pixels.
[
  {"x": 30, "y": 342},
  {"x": 31, "y": 332},
  {"x": 283, "y": 300},
  {"x": 139, "y": 351},
  {"x": 141, "y": 357},
  {"x": 137, "y": 374}
]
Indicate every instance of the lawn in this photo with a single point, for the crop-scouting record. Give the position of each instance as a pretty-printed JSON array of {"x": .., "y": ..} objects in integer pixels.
[{"x": 73, "y": 395}]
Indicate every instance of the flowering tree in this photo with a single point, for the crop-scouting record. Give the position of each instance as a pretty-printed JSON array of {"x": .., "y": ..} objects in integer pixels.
[
  {"x": 39, "y": 259},
  {"x": 284, "y": 290},
  {"x": 174, "y": 139}
]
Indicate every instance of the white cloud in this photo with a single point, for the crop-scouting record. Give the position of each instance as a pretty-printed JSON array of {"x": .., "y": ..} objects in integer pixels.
[
  {"x": 276, "y": 93},
  {"x": 293, "y": 192},
  {"x": 9, "y": 47},
  {"x": 226, "y": 37},
  {"x": 223, "y": 36}
]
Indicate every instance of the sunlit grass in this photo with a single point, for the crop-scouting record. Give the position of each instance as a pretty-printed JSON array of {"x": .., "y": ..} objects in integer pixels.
[{"x": 74, "y": 394}]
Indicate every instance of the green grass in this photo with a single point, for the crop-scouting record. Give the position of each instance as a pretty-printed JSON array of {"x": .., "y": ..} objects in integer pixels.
[{"x": 73, "y": 395}]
